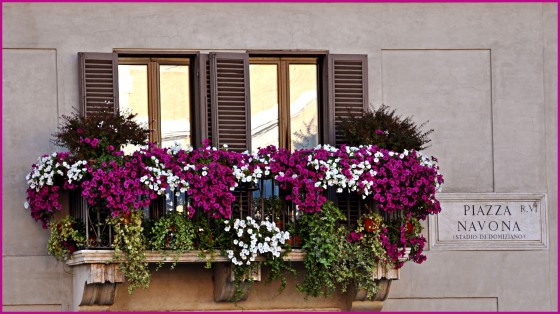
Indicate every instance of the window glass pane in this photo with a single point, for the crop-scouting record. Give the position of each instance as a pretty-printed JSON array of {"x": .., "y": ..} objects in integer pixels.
[
  {"x": 175, "y": 105},
  {"x": 264, "y": 104},
  {"x": 133, "y": 94},
  {"x": 303, "y": 106},
  {"x": 174, "y": 201}
]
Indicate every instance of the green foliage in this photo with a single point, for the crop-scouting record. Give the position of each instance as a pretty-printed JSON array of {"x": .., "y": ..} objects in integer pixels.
[
  {"x": 384, "y": 128},
  {"x": 173, "y": 231},
  {"x": 241, "y": 280},
  {"x": 363, "y": 263},
  {"x": 322, "y": 242},
  {"x": 363, "y": 256},
  {"x": 278, "y": 270},
  {"x": 333, "y": 260},
  {"x": 67, "y": 236},
  {"x": 109, "y": 131},
  {"x": 129, "y": 242},
  {"x": 208, "y": 236}
]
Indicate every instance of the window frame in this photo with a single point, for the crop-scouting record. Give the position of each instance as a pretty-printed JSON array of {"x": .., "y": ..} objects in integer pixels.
[
  {"x": 283, "y": 81},
  {"x": 154, "y": 100}
]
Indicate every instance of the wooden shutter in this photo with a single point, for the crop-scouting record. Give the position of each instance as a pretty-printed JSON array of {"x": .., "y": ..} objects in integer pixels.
[
  {"x": 353, "y": 206},
  {"x": 206, "y": 61},
  {"x": 201, "y": 99},
  {"x": 347, "y": 91},
  {"x": 230, "y": 105},
  {"x": 99, "y": 88}
]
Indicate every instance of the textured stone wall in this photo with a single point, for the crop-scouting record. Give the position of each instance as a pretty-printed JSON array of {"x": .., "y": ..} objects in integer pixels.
[{"x": 485, "y": 75}]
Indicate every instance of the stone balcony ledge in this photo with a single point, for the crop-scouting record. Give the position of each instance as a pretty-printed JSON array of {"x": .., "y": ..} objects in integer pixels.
[
  {"x": 96, "y": 276},
  {"x": 106, "y": 256}
]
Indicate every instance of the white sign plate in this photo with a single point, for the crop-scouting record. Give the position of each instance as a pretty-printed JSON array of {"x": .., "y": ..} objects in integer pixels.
[{"x": 489, "y": 221}]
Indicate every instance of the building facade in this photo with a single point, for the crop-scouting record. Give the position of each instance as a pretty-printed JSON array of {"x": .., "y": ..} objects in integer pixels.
[{"x": 484, "y": 75}]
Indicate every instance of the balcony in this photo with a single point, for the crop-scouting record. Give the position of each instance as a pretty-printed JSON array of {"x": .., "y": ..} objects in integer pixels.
[{"x": 345, "y": 219}]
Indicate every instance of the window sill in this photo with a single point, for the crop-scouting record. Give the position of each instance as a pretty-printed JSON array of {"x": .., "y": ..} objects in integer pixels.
[{"x": 106, "y": 256}]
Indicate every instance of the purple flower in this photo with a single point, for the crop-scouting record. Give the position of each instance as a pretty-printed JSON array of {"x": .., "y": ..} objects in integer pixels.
[{"x": 354, "y": 237}]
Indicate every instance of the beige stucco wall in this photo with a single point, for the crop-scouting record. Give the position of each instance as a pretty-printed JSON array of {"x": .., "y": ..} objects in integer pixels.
[{"x": 485, "y": 75}]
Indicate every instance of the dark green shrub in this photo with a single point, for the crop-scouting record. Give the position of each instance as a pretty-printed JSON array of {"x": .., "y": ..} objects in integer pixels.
[
  {"x": 99, "y": 135},
  {"x": 384, "y": 128}
]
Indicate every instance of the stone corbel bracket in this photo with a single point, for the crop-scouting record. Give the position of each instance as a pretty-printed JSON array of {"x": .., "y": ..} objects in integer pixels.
[
  {"x": 357, "y": 299},
  {"x": 94, "y": 283},
  {"x": 224, "y": 286},
  {"x": 96, "y": 274}
]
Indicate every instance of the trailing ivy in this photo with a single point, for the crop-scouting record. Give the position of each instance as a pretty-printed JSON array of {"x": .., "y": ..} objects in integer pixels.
[
  {"x": 322, "y": 243},
  {"x": 66, "y": 237},
  {"x": 173, "y": 232},
  {"x": 129, "y": 243}
]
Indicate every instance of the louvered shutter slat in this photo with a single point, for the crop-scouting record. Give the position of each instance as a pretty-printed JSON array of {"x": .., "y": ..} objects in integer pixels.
[
  {"x": 347, "y": 76},
  {"x": 98, "y": 82},
  {"x": 208, "y": 98},
  {"x": 229, "y": 85}
]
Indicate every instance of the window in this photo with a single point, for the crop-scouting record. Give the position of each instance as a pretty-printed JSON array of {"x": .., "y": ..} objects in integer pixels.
[
  {"x": 284, "y": 102},
  {"x": 158, "y": 90},
  {"x": 292, "y": 99}
]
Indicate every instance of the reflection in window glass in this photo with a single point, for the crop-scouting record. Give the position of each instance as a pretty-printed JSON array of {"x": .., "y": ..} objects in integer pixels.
[
  {"x": 303, "y": 106},
  {"x": 264, "y": 105},
  {"x": 175, "y": 105},
  {"x": 133, "y": 94},
  {"x": 174, "y": 201}
]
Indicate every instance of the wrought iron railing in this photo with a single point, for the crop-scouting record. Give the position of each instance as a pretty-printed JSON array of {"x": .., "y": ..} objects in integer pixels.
[
  {"x": 263, "y": 200},
  {"x": 99, "y": 234}
]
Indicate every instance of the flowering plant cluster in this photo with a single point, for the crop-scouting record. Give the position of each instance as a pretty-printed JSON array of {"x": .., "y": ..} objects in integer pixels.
[
  {"x": 365, "y": 253},
  {"x": 251, "y": 238},
  {"x": 397, "y": 181},
  {"x": 404, "y": 182},
  {"x": 50, "y": 174},
  {"x": 398, "y": 235},
  {"x": 99, "y": 135},
  {"x": 401, "y": 184}
]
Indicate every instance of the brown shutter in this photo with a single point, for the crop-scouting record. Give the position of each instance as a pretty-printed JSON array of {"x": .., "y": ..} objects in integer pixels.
[
  {"x": 200, "y": 99},
  {"x": 99, "y": 88},
  {"x": 347, "y": 91},
  {"x": 352, "y": 205},
  {"x": 230, "y": 105}
]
